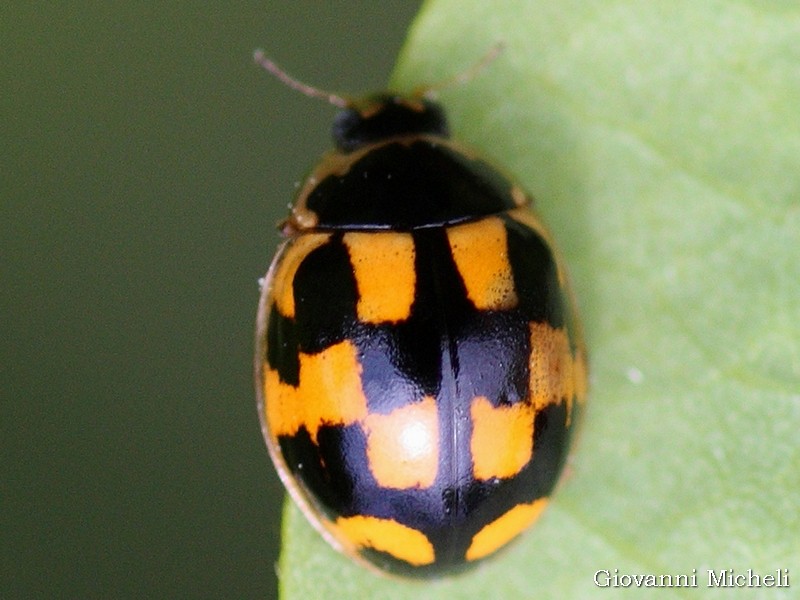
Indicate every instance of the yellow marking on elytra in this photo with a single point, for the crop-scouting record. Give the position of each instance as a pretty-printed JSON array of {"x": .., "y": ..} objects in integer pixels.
[
  {"x": 502, "y": 438},
  {"x": 550, "y": 365},
  {"x": 387, "y": 535},
  {"x": 291, "y": 259},
  {"x": 383, "y": 264},
  {"x": 554, "y": 375},
  {"x": 480, "y": 251},
  {"x": 502, "y": 530},
  {"x": 329, "y": 393},
  {"x": 403, "y": 446}
]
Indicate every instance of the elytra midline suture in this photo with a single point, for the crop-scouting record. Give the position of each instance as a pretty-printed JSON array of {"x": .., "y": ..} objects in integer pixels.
[{"x": 722, "y": 578}]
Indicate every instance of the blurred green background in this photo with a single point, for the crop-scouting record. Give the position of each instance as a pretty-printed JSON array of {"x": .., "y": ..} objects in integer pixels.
[{"x": 145, "y": 162}]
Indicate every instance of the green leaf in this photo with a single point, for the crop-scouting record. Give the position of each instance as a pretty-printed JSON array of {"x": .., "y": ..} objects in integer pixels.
[{"x": 662, "y": 142}]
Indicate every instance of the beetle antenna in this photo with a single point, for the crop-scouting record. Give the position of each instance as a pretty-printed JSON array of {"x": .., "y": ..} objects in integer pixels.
[
  {"x": 467, "y": 74},
  {"x": 268, "y": 65}
]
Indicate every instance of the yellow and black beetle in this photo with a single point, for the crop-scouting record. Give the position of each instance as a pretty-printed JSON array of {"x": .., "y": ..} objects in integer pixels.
[{"x": 420, "y": 368}]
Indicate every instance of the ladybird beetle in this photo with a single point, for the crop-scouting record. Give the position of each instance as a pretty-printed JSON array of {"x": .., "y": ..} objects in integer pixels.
[{"x": 420, "y": 368}]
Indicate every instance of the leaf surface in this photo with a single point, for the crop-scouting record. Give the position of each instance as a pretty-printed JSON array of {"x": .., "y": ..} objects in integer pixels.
[{"x": 661, "y": 140}]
